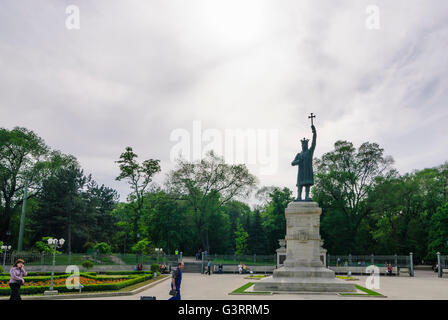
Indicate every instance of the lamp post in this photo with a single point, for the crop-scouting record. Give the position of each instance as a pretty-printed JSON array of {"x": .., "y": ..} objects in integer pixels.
[
  {"x": 4, "y": 249},
  {"x": 56, "y": 244}
]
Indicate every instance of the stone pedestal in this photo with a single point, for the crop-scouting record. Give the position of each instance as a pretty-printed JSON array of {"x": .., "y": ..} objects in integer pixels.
[
  {"x": 281, "y": 253},
  {"x": 303, "y": 270}
]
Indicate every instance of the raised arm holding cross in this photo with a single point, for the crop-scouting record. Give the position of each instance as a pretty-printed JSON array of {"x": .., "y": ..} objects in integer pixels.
[{"x": 311, "y": 116}]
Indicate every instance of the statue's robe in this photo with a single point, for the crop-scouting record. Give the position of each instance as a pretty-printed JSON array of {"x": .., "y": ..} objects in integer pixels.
[{"x": 304, "y": 159}]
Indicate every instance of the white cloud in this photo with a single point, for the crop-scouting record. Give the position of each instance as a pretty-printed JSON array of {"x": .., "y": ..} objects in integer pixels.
[{"x": 137, "y": 70}]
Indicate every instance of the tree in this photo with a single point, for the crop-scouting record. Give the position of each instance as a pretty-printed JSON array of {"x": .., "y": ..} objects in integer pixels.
[
  {"x": 166, "y": 222},
  {"x": 273, "y": 215},
  {"x": 344, "y": 177},
  {"x": 22, "y": 155},
  {"x": 240, "y": 239},
  {"x": 138, "y": 176},
  {"x": 207, "y": 185},
  {"x": 438, "y": 233},
  {"x": 257, "y": 238},
  {"x": 143, "y": 246},
  {"x": 102, "y": 247},
  {"x": 43, "y": 246},
  {"x": 61, "y": 205}
]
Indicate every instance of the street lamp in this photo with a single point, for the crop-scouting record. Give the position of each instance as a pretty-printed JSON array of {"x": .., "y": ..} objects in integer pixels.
[
  {"x": 56, "y": 244},
  {"x": 4, "y": 249}
]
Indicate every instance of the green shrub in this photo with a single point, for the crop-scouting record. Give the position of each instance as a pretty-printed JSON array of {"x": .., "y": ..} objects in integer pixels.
[
  {"x": 137, "y": 278},
  {"x": 155, "y": 267},
  {"x": 87, "y": 264},
  {"x": 88, "y": 245},
  {"x": 126, "y": 272},
  {"x": 1, "y": 270},
  {"x": 102, "y": 248}
]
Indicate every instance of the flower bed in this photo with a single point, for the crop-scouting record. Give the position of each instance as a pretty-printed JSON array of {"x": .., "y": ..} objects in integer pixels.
[{"x": 38, "y": 284}]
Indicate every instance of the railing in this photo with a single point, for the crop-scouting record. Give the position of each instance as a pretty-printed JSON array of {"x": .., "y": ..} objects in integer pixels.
[
  {"x": 366, "y": 260},
  {"x": 243, "y": 259},
  {"x": 42, "y": 259}
]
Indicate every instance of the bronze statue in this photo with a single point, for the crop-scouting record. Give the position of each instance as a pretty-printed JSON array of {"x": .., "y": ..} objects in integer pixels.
[{"x": 304, "y": 160}]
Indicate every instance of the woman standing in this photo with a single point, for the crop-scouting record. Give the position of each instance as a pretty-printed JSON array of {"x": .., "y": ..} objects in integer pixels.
[{"x": 17, "y": 273}]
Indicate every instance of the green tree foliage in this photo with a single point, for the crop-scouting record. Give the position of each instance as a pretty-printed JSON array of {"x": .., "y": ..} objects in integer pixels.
[
  {"x": 43, "y": 247},
  {"x": 438, "y": 233},
  {"x": 143, "y": 246},
  {"x": 207, "y": 185},
  {"x": 367, "y": 206},
  {"x": 22, "y": 156},
  {"x": 343, "y": 179},
  {"x": 139, "y": 177},
  {"x": 102, "y": 247},
  {"x": 274, "y": 222},
  {"x": 240, "y": 239},
  {"x": 257, "y": 237}
]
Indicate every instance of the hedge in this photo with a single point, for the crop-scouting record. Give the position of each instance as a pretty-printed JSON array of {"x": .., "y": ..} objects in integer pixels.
[
  {"x": 126, "y": 272},
  {"x": 90, "y": 287}
]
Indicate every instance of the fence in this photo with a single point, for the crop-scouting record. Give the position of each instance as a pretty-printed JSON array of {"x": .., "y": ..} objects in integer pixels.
[
  {"x": 245, "y": 259},
  {"x": 35, "y": 258},
  {"x": 401, "y": 262}
]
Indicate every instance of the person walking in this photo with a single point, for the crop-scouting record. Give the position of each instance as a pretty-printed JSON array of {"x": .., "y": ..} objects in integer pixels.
[
  {"x": 17, "y": 273},
  {"x": 209, "y": 267},
  {"x": 176, "y": 281}
]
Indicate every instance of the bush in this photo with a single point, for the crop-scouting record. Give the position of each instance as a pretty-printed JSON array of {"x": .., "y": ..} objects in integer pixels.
[
  {"x": 155, "y": 267},
  {"x": 102, "y": 248},
  {"x": 89, "y": 287},
  {"x": 88, "y": 245},
  {"x": 126, "y": 272},
  {"x": 1, "y": 269},
  {"x": 87, "y": 264},
  {"x": 143, "y": 246}
]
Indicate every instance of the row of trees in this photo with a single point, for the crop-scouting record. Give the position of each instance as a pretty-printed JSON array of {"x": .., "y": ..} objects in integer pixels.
[{"x": 368, "y": 207}]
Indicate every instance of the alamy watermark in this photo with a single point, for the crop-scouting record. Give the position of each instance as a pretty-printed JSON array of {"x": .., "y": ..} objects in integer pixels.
[
  {"x": 72, "y": 22},
  {"x": 250, "y": 146},
  {"x": 72, "y": 281},
  {"x": 373, "y": 17},
  {"x": 373, "y": 280}
]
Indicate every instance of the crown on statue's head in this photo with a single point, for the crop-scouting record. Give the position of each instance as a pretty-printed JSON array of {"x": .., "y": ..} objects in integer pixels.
[{"x": 304, "y": 141}]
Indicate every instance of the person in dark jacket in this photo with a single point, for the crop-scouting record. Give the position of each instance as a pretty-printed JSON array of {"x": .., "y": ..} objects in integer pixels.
[
  {"x": 176, "y": 281},
  {"x": 17, "y": 273}
]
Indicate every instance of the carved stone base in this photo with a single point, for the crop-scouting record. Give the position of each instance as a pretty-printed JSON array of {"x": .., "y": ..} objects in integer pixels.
[{"x": 303, "y": 269}]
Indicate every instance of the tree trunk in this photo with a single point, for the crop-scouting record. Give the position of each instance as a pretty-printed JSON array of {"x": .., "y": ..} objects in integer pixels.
[
  {"x": 207, "y": 245},
  {"x": 4, "y": 227},
  {"x": 69, "y": 233}
]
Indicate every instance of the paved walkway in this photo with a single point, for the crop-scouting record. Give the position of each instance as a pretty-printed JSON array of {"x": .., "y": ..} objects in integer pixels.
[{"x": 425, "y": 285}]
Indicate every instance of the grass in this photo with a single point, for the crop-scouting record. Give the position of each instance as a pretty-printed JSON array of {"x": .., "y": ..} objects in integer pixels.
[
  {"x": 141, "y": 284},
  {"x": 347, "y": 278},
  {"x": 368, "y": 292},
  {"x": 256, "y": 277},
  {"x": 242, "y": 290}
]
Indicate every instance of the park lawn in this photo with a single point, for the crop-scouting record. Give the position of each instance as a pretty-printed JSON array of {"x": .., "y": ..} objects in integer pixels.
[
  {"x": 347, "y": 278},
  {"x": 368, "y": 292},
  {"x": 142, "y": 284},
  {"x": 242, "y": 290},
  {"x": 256, "y": 277}
]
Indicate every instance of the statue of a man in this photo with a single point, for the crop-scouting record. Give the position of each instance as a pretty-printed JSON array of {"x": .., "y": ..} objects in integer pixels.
[{"x": 304, "y": 159}]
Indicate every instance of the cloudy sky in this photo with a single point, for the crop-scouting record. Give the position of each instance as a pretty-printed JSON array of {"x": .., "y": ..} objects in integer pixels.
[{"x": 138, "y": 70}]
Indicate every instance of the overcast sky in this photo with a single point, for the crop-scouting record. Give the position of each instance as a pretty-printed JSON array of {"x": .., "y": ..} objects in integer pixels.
[{"x": 136, "y": 71}]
